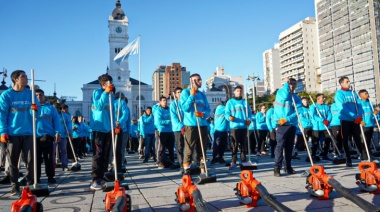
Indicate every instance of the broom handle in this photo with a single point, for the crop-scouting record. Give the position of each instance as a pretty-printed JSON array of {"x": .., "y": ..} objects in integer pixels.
[
  {"x": 327, "y": 129},
  {"x": 246, "y": 116},
  {"x": 71, "y": 143},
  {"x": 112, "y": 132},
  {"x": 177, "y": 108},
  {"x": 34, "y": 131}
]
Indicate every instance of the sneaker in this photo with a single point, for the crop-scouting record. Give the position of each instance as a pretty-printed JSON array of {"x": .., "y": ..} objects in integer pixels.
[
  {"x": 51, "y": 180},
  {"x": 141, "y": 157},
  {"x": 103, "y": 181},
  {"x": 65, "y": 169},
  {"x": 15, "y": 191},
  {"x": 145, "y": 161},
  {"x": 187, "y": 171},
  {"x": 160, "y": 166},
  {"x": 233, "y": 165},
  {"x": 221, "y": 160},
  {"x": 289, "y": 170},
  {"x": 349, "y": 162},
  {"x": 95, "y": 185}
]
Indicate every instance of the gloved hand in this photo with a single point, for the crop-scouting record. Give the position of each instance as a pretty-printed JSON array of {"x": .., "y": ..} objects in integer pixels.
[
  {"x": 117, "y": 124},
  {"x": 326, "y": 123},
  {"x": 282, "y": 121},
  {"x": 109, "y": 88},
  {"x": 362, "y": 123},
  {"x": 358, "y": 120},
  {"x": 193, "y": 91},
  {"x": 117, "y": 130},
  {"x": 4, "y": 138},
  {"x": 232, "y": 118},
  {"x": 248, "y": 122},
  {"x": 199, "y": 114},
  {"x": 34, "y": 107},
  {"x": 183, "y": 131},
  {"x": 375, "y": 112}
]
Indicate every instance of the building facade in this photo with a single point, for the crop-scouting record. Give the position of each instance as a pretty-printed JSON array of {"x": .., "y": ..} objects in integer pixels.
[
  {"x": 349, "y": 37},
  {"x": 166, "y": 78},
  {"x": 272, "y": 70},
  {"x": 224, "y": 82},
  {"x": 299, "y": 56}
]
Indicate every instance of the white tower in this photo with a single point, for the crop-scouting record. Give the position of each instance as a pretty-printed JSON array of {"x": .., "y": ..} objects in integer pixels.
[{"x": 118, "y": 39}]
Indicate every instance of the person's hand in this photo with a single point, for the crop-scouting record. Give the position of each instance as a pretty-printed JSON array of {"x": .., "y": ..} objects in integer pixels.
[
  {"x": 248, "y": 122},
  {"x": 199, "y": 114},
  {"x": 34, "y": 107},
  {"x": 282, "y": 121},
  {"x": 358, "y": 120},
  {"x": 117, "y": 130},
  {"x": 326, "y": 123},
  {"x": 362, "y": 123},
  {"x": 109, "y": 88},
  {"x": 4, "y": 138},
  {"x": 193, "y": 91},
  {"x": 183, "y": 131},
  {"x": 286, "y": 79},
  {"x": 117, "y": 124},
  {"x": 232, "y": 118},
  {"x": 375, "y": 112}
]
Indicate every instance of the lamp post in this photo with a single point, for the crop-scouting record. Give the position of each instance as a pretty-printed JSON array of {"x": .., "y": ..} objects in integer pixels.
[{"x": 253, "y": 78}]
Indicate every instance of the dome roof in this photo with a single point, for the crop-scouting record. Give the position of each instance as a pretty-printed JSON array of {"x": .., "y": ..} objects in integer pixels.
[{"x": 118, "y": 13}]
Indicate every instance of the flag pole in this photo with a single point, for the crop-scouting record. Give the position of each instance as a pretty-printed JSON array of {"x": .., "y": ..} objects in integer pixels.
[{"x": 139, "y": 79}]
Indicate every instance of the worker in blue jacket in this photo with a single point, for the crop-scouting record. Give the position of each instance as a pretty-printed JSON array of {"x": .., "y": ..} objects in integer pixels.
[
  {"x": 306, "y": 125},
  {"x": 321, "y": 118},
  {"x": 16, "y": 127},
  {"x": 48, "y": 133},
  {"x": 176, "y": 115},
  {"x": 222, "y": 126},
  {"x": 262, "y": 129},
  {"x": 351, "y": 116},
  {"x": 196, "y": 109},
  {"x": 286, "y": 117},
  {"x": 368, "y": 122},
  {"x": 236, "y": 110}
]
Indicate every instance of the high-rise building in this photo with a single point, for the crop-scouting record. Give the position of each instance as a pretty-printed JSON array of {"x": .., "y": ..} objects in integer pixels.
[
  {"x": 167, "y": 78},
  {"x": 349, "y": 37},
  {"x": 272, "y": 70},
  {"x": 299, "y": 57}
]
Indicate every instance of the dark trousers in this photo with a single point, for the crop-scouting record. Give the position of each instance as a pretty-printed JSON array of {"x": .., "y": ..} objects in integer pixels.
[
  {"x": 220, "y": 142},
  {"x": 118, "y": 150},
  {"x": 101, "y": 155},
  {"x": 285, "y": 140},
  {"x": 134, "y": 144},
  {"x": 272, "y": 141},
  {"x": 347, "y": 128},
  {"x": 15, "y": 146},
  {"x": 179, "y": 142},
  {"x": 368, "y": 133},
  {"x": 45, "y": 147},
  {"x": 166, "y": 141},
  {"x": 317, "y": 134},
  {"x": 238, "y": 139},
  {"x": 253, "y": 140},
  {"x": 77, "y": 147},
  {"x": 261, "y": 142},
  {"x": 335, "y": 132},
  {"x": 300, "y": 144},
  {"x": 192, "y": 145}
]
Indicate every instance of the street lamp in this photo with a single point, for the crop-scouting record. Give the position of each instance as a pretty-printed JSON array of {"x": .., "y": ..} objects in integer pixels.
[{"x": 253, "y": 78}]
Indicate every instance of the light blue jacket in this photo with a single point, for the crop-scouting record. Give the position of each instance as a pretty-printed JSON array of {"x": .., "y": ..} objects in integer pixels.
[
  {"x": 48, "y": 122},
  {"x": 187, "y": 103},
  {"x": 238, "y": 109},
  {"x": 100, "y": 117},
  {"x": 368, "y": 116},
  {"x": 64, "y": 118},
  {"x": 252, "y": 126},
  {"x": 335, "y": 121},
  {"x": 271, "y": 123},
  {"x": 162, "y": 119},
  {"x": 325, "y": 112},
  {"x": 15, "y": 112},
  {"x": 148, "y": 124},
  {"x": 305, "y": 117},
  {"x": 345, "y": 103},
  {"x": 284, "y": 108},
  {"x": 261, "y": 121},
  {"x": 177, "y": 121},
  {"x": 134, "y": 130},
  {"x": 122, "y": 111},
  {"x": 221, "y": 123}
]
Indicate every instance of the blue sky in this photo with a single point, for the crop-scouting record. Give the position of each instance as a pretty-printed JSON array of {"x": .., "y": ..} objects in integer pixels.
[{"x": 66, "y": 42}]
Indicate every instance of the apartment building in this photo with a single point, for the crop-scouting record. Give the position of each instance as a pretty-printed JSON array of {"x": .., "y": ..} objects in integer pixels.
[
  {"x": 349, "y": 36},
  {"x": 272, "y": 70},
  {"x": 299, "y": 55}
]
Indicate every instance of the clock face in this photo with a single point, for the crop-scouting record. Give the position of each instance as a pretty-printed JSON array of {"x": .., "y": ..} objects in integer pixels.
[{"x": 118, "y": 29}]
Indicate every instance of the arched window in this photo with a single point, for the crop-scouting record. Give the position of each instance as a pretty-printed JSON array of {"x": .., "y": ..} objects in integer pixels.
[{"x": 141, "y": 98}]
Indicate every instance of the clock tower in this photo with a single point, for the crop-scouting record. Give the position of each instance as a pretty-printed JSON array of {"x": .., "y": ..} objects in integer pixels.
[{"x": 118, "y": 39}]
